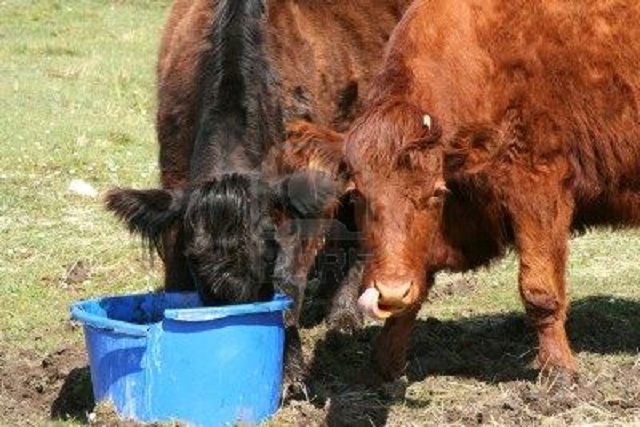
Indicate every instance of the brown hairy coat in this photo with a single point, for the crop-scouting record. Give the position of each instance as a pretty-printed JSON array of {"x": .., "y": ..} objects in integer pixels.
[
  {"x": 528, "y": 111},
  {"x": 324, "y": 54}
]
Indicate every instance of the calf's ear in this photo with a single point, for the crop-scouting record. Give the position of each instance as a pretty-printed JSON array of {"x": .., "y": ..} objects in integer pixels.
[
  {"x": 309, "y": 194},
  {"x": 146, "y": 212}
]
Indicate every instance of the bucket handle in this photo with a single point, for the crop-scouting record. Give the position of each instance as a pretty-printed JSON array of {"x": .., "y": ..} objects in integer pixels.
[{"x": 110, "y": 325}]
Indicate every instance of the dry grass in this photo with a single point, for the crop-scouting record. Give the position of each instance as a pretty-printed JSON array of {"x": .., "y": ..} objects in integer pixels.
[{"x": 470, "y": 364}]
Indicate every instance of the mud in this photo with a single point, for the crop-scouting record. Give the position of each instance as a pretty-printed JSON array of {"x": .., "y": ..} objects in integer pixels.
[
  {"x": 471, "y": 371},
  {"x": 55, "y": 386}
]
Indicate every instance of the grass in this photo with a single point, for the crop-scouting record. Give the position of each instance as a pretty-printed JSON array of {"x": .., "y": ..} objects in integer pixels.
[{"x": 77, "y": 101}]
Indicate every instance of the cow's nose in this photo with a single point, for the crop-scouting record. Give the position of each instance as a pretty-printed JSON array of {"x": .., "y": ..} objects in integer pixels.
[{"x": 396, "y": 294}]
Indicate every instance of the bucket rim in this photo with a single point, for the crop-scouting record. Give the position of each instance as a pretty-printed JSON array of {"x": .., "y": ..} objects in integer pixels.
[
  {"x": 79, "y": 313},
  {"x": 280, "y": 302}
]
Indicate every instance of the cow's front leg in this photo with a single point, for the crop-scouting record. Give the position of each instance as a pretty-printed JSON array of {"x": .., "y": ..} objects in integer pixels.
[
  {"x": 345, "y": 314},
  {"x": 292, "y": 269},
  {"x": 294, "y": 364},
  {"x": 389, "y": 356},
  {"x": 542, "y": 233}
]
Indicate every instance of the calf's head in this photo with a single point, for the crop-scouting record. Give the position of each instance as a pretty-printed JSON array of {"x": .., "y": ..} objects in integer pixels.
[
  {"x": 228, "y": 225},
  {"x": 395, "y": 157}
]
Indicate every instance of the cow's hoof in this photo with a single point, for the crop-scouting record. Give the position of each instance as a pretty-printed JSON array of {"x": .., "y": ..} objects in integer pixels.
[
  {"x": 293, "y": 384},
  {"x": 295, "y": 368},
  {"x": 372, "y": 376},
  {"x": 369, "y": 378},
  {"x": 387, "y": 364},
  {"x": 395, "y": 390},
  {"x": 344, "y": 320},
  {"x": 555, "y": 379}
]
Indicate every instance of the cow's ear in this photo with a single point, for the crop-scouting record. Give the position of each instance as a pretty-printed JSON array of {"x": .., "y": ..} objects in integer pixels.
[
  {"x": 423, "y": 153},
  {"x": 146, "y": 212},
  {"x": 312, "y": 147},
  {"x": 474, "y": 148},
  {"x": 307, "y": 194}
]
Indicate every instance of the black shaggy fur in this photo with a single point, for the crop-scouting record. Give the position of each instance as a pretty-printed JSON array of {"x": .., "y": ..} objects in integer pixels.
[
  {"x": 241, "y": 118},
  {"x": 232, "y": 247},
  {"x": 225, "y": 219}
]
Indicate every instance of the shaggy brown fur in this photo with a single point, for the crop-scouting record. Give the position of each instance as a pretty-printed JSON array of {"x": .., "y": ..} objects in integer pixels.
[
  {"x": 534, "y": 111},
  {"x": 323, "y": 54}
]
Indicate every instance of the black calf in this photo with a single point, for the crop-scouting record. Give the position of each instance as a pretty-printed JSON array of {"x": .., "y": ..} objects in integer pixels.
[{"x": 229, "y": 227}]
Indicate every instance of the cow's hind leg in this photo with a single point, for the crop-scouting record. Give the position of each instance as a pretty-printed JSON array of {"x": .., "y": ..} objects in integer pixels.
[{"x": 542, "y": 222}]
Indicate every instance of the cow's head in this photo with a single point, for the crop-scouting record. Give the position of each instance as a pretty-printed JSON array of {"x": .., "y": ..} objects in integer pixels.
[
  {"x": 228, "y": 226},
  {"x": 396, "y": 161}
]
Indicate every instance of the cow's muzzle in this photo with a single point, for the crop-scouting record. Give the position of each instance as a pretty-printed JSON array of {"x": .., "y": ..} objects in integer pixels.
[{"x": 382, "y": 301}]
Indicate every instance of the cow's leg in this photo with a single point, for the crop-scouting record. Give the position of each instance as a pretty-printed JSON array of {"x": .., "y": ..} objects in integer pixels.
[
  {"x": 542, "y": 222},
  {"x": 294, "y": 364},
  {"x": 292, "y": 270},
  {"x": 390, "y": 348},
  {"x": 344, "y": 314}
]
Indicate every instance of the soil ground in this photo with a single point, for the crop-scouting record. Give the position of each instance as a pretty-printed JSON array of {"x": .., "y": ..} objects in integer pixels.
[{"x": 469, "y": 371}]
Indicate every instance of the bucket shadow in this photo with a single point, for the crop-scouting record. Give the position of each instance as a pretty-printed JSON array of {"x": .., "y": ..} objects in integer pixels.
[
  {"x": 75, "y": 399},
  {"x": 491, "y": 349}
]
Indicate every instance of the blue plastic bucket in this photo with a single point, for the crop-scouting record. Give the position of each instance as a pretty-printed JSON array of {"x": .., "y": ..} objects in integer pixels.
[{"x": 164, "y": 357}]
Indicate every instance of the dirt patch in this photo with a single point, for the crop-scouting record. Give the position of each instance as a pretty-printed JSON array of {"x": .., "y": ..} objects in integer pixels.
[
  {"x": 463, "y": 285},
  {"x": 55, "y": 385},
  {"x": 75, "y": 273},
  {"x": 478, "y": 371},
  {"x": 467, "y": 371}
]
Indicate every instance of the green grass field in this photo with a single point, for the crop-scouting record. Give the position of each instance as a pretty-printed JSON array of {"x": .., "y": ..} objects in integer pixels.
[{"x": 77, "y": 101}]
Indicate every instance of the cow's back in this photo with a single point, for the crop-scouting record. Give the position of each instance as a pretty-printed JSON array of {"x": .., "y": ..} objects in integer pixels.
[
  {"x": 179, "y": 77},
  {"x": 323, "y": 55},
  {"x": 572, "y": 70},
  {"x": 556, "y": 77},
  {"x": 326, "y": 53}
]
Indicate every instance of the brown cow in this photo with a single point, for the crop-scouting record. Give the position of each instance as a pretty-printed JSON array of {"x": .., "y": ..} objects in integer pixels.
[
  {"x": 528, "y": 112},
  {"x": 233, "y": 219}
]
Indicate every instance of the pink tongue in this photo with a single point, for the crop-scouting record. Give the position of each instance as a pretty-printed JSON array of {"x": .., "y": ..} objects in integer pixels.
[{"x": 368, "y": 303}]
